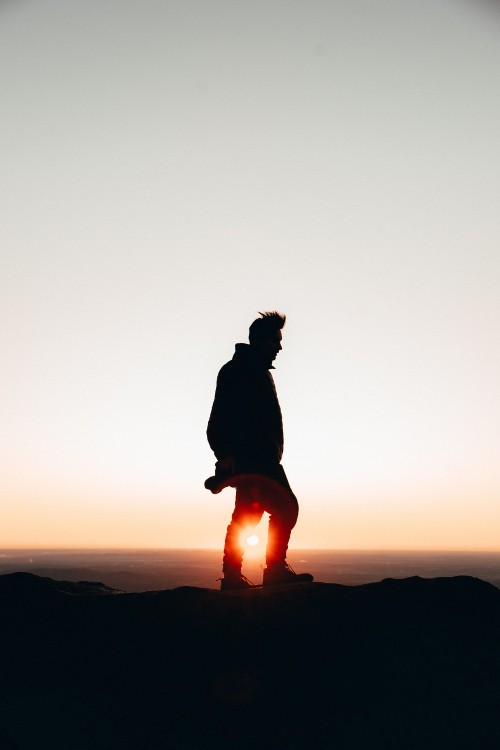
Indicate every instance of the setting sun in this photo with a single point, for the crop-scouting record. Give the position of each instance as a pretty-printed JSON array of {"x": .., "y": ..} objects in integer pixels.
[{"x": 252, "y": 540}]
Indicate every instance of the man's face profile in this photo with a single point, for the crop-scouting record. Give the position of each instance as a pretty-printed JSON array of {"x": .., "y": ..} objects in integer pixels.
[{"x": 271, "y": 346}]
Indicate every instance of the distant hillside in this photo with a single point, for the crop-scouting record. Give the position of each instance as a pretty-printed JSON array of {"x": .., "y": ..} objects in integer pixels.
[{"x": 412, "y": 664}]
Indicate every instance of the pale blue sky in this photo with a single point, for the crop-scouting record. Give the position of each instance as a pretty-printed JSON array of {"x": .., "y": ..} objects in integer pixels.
[{"x": 170, "y": 168}]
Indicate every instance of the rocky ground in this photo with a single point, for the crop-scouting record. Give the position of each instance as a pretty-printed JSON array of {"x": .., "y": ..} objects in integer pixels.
[{"x": 412, "y": 664}]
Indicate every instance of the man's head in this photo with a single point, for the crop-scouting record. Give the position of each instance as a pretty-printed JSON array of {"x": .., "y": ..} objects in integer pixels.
[{"x": 265, "y": 333}]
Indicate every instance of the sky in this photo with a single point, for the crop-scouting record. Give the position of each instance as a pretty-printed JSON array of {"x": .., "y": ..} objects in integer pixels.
[{"x": 168, "y": 168}]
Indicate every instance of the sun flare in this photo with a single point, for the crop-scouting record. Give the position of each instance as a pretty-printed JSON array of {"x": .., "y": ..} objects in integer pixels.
[{"x": 252, "y": 540}]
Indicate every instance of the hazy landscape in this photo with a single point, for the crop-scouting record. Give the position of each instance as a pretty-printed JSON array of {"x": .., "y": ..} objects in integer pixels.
[{"x": 151, "y": 570}]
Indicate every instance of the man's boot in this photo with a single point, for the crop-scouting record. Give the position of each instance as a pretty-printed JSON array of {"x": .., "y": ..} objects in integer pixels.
[
  {"x": 281, "y": 572},
  {"x": 234, "y": 580}
]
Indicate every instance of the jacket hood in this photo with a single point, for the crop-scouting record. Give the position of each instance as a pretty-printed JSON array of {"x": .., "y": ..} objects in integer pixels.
[{"x": 250, "y": 356}]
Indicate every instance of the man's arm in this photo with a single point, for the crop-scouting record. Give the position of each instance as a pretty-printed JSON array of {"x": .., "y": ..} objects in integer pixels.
[{"x": 222, "y": 430}]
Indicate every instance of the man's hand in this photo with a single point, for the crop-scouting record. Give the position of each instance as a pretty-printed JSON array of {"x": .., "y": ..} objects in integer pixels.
[{"x": 227, "y": 464}]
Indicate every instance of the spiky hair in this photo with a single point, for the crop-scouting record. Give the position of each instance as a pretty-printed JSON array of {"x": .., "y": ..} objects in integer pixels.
[{"x": 266, "y": 325}]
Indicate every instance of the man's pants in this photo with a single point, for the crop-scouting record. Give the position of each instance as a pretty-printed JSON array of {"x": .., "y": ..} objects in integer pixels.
[{"x": 257, "y": 494}]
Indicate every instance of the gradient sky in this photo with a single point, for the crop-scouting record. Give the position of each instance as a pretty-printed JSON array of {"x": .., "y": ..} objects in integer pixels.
[{"x": 169, "y": 168}]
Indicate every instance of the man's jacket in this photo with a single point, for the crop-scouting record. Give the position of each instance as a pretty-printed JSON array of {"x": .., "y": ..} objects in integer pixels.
[{"x": 246, "y": 421}]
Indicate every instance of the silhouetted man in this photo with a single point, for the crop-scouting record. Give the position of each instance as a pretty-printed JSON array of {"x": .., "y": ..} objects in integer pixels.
[{"x": 245, "y": 431}]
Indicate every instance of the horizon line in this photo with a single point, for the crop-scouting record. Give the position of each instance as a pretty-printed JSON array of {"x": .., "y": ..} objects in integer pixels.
[{"x": 462, "y": 550}]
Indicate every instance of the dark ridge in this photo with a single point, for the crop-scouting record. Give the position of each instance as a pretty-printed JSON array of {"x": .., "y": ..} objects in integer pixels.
[
  {"x": 406, "y": 664},
  {"x": 30, "y": 584}
]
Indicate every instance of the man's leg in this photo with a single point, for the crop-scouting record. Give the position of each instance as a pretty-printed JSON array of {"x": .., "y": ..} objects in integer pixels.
[
  {"x": 282, "y": 505},
  {"x": 283, "y": 508},
  {"x": 247, "y": 513}
]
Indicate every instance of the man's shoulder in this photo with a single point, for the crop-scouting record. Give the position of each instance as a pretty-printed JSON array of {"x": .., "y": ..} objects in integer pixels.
[
  {"x": 229, "y": 371},
  {"x": 227, "y": 368},
  {"x": 236, "y": 371}
]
